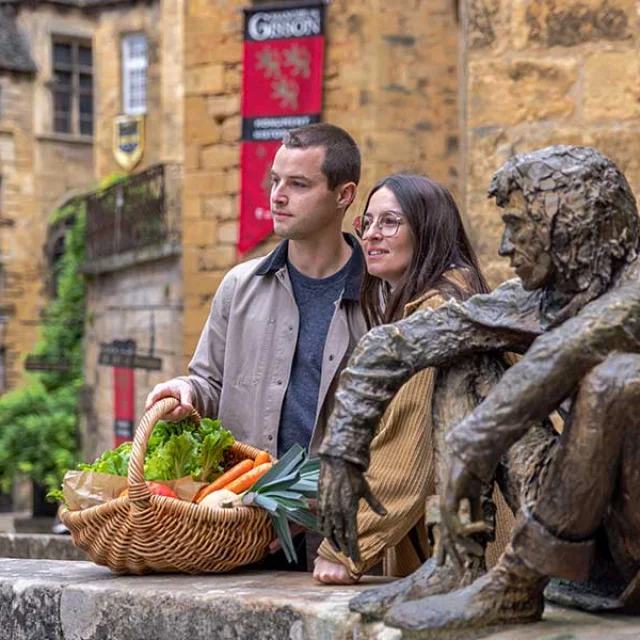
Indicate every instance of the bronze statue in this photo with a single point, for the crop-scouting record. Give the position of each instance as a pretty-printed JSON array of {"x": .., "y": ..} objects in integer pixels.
[{"x": 571, "y": 232}]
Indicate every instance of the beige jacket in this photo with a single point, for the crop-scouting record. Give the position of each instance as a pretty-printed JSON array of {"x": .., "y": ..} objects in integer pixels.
[{"x": 240, "y": 369}]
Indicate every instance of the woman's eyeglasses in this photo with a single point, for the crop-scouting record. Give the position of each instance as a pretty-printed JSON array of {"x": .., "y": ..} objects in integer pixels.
[{"x": 388, "y": 224}]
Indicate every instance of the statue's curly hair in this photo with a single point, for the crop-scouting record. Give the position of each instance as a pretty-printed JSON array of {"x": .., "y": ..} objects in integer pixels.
[{"x": 587, "y": 203}]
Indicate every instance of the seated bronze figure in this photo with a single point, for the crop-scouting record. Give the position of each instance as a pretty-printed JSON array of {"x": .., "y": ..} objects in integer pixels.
[{"x": 571, "y": 232}]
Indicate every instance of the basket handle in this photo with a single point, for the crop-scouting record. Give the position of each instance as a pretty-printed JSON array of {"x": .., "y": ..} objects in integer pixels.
[{"x": 139, "y": 493}]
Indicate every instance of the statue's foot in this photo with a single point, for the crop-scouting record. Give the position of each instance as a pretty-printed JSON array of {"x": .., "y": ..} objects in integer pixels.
[
  {"x": 428, "y": 580},
  {"x": 510, "y": 593}
]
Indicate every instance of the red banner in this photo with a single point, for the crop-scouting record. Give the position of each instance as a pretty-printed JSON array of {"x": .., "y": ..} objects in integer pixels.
[
  {"x": 281, "y": 90},
  {"x": 123, "y": 404}
]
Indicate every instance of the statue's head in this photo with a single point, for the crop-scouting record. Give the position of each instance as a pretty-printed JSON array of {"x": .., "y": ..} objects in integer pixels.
[{"x": 570, "y": 217}]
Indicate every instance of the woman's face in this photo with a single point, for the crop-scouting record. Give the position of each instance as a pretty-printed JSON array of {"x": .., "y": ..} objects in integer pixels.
[{"x": 387, "y": 239}]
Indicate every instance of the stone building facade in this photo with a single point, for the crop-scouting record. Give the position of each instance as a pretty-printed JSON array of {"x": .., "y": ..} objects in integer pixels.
[
  {"x": 540, "y": 72},
  {"x": 39, "y": 166},
  {"x": 134, "y": 284},
  {"x": 449, "y": 88}
]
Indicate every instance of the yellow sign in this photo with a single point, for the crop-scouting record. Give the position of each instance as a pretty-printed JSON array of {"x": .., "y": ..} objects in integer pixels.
[{"x": 128, "y": 140}]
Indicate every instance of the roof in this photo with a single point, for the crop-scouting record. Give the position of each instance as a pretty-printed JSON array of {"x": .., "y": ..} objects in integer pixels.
[{"x": 15, "y": 54}]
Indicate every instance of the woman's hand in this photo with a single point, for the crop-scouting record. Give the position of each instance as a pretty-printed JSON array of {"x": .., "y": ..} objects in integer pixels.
[{"x": 329, "y": 572}]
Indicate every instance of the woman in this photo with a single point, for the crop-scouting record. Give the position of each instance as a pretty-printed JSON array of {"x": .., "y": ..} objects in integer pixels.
[{"x": 418, "y": 256}]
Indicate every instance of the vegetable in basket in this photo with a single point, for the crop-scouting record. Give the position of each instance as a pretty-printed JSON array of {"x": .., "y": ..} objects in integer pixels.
[
  {"x": 284, "y": 491},
  {"x": 175, "y": 450}
]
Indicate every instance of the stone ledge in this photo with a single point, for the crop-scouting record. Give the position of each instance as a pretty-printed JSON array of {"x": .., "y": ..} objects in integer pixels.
[
  {"x": 49, "y": 600},
  {"x": 33, "y": 546}
]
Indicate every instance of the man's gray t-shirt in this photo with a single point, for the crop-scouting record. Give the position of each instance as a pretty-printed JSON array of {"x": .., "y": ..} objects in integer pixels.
[{"x": 316, "y": 298}]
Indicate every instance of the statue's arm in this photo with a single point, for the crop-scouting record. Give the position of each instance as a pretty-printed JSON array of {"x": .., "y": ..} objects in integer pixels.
[
  {"x": 388, "y": 356},
  {"x": 550, "y": 371}
]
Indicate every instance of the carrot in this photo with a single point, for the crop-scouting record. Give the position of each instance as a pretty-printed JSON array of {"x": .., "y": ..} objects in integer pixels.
[
  {"x": 261, "y": 458},
  {"x": 247, "y": 480},
  {"x": 228, "y": 476}
]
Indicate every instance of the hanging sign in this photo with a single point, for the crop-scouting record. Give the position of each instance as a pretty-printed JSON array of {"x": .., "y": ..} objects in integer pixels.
[
  {"x": 128, "y": 140},
  {"x": 118, "y": 354},
  {"x": 281, "y": 90}
]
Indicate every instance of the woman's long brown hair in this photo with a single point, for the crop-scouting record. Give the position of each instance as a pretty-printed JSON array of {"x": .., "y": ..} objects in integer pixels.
[{"x": 440, "y": 244}]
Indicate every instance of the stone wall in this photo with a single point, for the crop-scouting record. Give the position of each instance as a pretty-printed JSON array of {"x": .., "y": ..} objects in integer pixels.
[
  {"x": 124, "y": 304},
  {"x": 38, "y": 169},
  {"x": 390, "y": 79},
  {"x": 542, "y": 72},
  {"x": 162, "y": 24},
  {"x": 20, "y": 288}
]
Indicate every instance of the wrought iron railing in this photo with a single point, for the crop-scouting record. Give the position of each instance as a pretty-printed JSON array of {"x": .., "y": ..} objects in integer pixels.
[{"x": 141, "y": 211}]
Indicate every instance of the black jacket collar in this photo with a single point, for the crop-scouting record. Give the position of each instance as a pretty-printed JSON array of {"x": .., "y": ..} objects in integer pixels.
[{"x": 277, "y": 259}]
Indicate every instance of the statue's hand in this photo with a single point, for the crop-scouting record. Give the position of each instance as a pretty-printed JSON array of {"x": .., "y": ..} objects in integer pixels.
[
  {"x": 341, "y": 486},
  {"x": 457, "y": 528}
]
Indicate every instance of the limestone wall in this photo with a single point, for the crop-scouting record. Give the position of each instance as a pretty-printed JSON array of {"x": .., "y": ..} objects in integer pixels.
[
  {"x": 390, "y": 80},
  {"x": 162, "y": 24},
  {"x": 542, "y": 72},
  {"x": 38, "y": 168},
  {"x": 125, "y": 304},
  {"x": 20, "y": 288}
]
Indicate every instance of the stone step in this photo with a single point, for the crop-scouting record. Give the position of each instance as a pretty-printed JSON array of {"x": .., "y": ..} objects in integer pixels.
[
  {"x": 32, "y": 546},
  {"x": 56, "y": 600}
]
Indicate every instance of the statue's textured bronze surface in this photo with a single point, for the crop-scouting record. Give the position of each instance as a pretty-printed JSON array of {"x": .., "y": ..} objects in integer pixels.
[{"x": 571, "y": 231}]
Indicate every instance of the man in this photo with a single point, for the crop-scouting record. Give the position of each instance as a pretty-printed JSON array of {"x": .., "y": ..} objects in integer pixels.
[
  {"x": 571, "y": 232},
  {"x": 281, "y": 328}
]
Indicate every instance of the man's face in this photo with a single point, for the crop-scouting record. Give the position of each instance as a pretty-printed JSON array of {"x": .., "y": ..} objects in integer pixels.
[
  {"x": 302, "y": 205},
  {"x": 526, "y": 242}
]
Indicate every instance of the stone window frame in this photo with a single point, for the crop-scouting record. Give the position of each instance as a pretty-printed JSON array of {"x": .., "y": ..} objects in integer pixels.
[
  {"x": 79, "y": 89},
  {"x": 131, "y": 65}
]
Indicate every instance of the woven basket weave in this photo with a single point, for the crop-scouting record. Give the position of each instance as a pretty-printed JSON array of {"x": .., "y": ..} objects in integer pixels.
[{"x": 141, "y": 532}]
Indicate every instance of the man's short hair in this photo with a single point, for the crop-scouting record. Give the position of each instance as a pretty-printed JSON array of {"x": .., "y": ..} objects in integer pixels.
[{"x": 342, "y": 159}]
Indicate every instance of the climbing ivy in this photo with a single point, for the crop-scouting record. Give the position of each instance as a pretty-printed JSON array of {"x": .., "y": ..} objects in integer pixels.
[{"x": 39, "y": 422}]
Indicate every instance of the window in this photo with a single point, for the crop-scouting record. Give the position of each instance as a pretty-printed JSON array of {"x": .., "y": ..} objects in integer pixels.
[
  {"x": 72, "y": 87},
  {"x": 134, "y": 74}
]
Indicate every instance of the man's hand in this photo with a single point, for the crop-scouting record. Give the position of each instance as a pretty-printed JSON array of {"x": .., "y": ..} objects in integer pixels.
[
  {"x": 178, "y": 389},
  {"x": 341, "y": 486},
  {"x": 456, "y": 530},
  {"x": 329, "y": 572}
]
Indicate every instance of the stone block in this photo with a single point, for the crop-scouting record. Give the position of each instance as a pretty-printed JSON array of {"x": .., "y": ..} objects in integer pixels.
[
  {"x": 232, "y": 78},
  {"x": 223, "y": 106},
  {"x": 612, "y": 86},
  {"x": 488, "y": 25},
  {"x": 232, "y": 182},
  {"x": 569, "y": 23},
  {"x": 520, "y": 90},
  {"x": 222, "y": 208},
  {"x": 204, "y": 80},
  {"x": 34, "y": 546},
  {"x": 198, "y": 233},
  {"x": 231, "y": 129},
  {"x": 228, "y": 233},
  {"x": 217, "y": 258},
  {"x": 199, "y": 127},
  {"x": 205, "y": 183},
  {"x": 220, "y": 156}
]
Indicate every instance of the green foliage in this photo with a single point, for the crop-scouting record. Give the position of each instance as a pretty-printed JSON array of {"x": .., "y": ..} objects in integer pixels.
[
  {"x": 179, "y": 449},
  {"x": 38, "y": 423}
]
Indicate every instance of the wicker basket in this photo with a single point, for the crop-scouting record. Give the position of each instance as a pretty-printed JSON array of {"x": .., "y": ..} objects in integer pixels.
[{"x": 142, "y": 532}]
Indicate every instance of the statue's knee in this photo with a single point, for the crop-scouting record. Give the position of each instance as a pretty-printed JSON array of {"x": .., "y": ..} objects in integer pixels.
[{"x": 619, "y": 374}]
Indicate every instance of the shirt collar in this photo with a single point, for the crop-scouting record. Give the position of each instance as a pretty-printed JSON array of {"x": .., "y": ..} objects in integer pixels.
[{"x": 277, "y": 260}]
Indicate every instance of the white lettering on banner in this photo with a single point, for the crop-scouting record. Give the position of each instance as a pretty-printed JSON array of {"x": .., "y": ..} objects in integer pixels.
[
  {"x": 284, "y": 24},
  {"x": 262, "y": 214}
]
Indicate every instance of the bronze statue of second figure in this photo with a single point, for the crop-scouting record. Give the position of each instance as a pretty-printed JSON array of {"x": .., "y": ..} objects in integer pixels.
[{"x": 571, "y": 232}]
